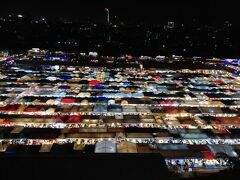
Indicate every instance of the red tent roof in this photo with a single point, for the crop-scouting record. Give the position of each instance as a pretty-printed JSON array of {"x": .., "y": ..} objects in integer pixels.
[
  {"x": 218, "y": 81},
  {"x": 68, "y": 100},
  {"x": 208, "y": 155},
  {"x": 94, "y": 82},
  {"x": 62, "y": 119},
  {"x": 6, "y": 121},
  {"x": 74, "y": 119}
]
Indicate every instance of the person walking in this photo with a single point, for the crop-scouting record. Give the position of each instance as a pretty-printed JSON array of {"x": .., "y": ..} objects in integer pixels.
[{"x": 186, "y": 166}]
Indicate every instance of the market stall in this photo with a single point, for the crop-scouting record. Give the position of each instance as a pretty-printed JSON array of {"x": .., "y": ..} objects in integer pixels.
[
  {"x": 105, "y": 147},
  {"x": 126, "y": 147}
]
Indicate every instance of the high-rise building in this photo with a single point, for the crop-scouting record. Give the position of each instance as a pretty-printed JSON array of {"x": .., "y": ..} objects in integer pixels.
[{"x": 108, "y": 15}]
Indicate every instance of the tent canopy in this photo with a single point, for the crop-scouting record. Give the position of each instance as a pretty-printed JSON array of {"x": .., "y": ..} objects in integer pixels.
[
  {"x": 126, "y": 147},
  {"x": 208, "y": 155},
  {"x": 222, "y": 148},
  {"x": 63, "y": 87},
  {"x": 105, "y": 147},
  {"x": 173, "y": 146}
]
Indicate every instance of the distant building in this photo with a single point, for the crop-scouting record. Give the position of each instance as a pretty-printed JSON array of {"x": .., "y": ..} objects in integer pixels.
[
  {"x": 170, "y": 25},
  {"x": 37, "y": 53},
  {"x": 107, "y": 16}
]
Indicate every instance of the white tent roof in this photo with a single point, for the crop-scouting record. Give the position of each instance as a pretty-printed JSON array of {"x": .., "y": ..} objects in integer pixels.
[
  {"x": 52, "y": 78},
  {"x": 3, "y": 147},
  {"x": 126, "y": 147},
  {"x": 223, "y": 148},
  {"x": 194, "y": 135},
  {"x": 105, "y": 147},
  {"x": 210, "y": 110},
  {"x": 173, "y": 147},
  {"x": 46, "y": 148}
]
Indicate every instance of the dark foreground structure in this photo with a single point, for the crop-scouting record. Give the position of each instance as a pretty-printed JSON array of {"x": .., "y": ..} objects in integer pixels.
[{"x": 83, "y": 166}]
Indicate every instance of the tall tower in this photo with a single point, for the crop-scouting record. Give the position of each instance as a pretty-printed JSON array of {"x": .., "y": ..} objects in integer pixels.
[
  {"x": 108, "y": 34},
  {"x": 108, "y": 16}
]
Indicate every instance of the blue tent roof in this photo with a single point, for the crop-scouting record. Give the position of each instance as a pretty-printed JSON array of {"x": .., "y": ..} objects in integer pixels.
[
  {"x": 114, "y": 107},
  {"x": 66, "y": 77},
  {"x": 63, "y": 87},
  {"x": 99, "y": 87},
  {"x": 126, "y": 84},
  {"x": 102, "y": 98}
]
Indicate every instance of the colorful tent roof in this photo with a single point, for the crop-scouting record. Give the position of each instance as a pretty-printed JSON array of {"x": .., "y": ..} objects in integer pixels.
[
  {"x": 68, "y": 100},
  {"x": 63, "y": 87},
  {"x": 74, "y": 119},
  {"x": 93, "y": 82},
  {"x": 208, "y": 155}
]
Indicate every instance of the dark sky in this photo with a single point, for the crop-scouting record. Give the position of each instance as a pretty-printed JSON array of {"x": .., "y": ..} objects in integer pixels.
[{"x": 146, "y": 10}]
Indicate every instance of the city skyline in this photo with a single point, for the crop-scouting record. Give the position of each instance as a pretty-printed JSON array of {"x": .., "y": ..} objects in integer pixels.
[{"x": 134, "y": 11}]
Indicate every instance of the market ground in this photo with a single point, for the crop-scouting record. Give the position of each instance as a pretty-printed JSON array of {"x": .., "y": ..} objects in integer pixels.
[{"x": 84, "y": 166}]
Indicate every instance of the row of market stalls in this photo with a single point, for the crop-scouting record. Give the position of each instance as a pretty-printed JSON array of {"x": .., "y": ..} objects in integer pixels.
[
  {"x": 99, "y": 147},
  {"x": 176, "y": 155},
  {"x": 176, "y": 98},
  {"x": 169, "y": 151},
  {"x": 170, "y": 82},
  {"x": 116, "y": 109},
  {"x": 119, "y": 120}
]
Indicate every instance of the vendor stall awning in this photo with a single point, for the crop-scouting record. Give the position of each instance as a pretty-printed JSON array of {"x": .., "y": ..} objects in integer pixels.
[{"x": 105, "y": 147}]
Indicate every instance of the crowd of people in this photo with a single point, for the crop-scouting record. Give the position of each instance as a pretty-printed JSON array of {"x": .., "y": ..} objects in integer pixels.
[{"x": 190, "y": 165}]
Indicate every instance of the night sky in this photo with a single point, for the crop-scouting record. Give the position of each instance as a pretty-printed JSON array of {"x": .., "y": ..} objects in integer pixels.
[{"x": 126, "y": 10}]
